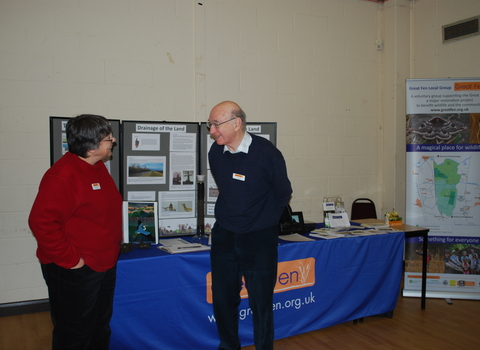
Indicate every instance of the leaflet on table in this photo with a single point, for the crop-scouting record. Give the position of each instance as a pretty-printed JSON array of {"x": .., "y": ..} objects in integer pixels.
[
  {"x": 295, "y": 237},
  {"x": 377, "y": 225},
  {"x": 327, "y": 233},
  {"x": 339, "y": 219},
  {"x": 179, "y": 245},
  {"x": 351, "y": 231}
]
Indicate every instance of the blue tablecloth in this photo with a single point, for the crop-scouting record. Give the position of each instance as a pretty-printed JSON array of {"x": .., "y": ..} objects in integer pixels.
[{"x": 162, "y": 301}]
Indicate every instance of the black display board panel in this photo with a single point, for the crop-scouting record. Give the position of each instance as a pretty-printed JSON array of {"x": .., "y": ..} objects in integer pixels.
[
  {"x": 160, "y": 164},
  {"x": 58, "y": 145}
]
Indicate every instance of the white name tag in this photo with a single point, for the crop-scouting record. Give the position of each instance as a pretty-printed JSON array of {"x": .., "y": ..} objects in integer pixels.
[
  {"x": 239, "y": 177},
  {"x": 96, "y": 186}
]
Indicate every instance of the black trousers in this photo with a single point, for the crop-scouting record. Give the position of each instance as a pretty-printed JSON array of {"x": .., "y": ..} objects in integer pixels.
[
  {"x": 81, "y": 306},
  {"x": 254, "y": 256}
]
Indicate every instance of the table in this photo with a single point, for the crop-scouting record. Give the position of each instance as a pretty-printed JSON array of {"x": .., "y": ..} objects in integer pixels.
[
  {"x": 162, "y": 301},
  {"x": 410, "y": 232}
]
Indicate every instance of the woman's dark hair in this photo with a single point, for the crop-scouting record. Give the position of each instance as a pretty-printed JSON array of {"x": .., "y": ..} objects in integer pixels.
[{"x": 85, "y": 132}]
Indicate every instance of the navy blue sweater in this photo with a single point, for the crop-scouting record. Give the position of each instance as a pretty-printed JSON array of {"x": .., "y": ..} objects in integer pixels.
[{"x": 257, "y": 202}]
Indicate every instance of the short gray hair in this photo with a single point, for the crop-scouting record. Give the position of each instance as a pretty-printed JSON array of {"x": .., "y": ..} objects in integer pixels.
[{"x": 239, "y": 113}]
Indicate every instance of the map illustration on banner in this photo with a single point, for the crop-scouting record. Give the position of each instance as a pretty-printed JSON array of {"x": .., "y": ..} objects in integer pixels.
[
  {"x": 447, "y": 188},
  {"x": 443, "y": 185}
]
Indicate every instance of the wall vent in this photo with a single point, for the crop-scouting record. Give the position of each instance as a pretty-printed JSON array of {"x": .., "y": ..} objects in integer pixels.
[{"x": 461, "y": 29}]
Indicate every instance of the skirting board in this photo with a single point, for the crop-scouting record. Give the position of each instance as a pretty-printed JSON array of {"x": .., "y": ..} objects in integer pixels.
[{"x": 24, "y": 307}]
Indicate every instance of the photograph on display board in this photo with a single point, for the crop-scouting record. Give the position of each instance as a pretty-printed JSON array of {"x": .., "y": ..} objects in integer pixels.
[
  {"x": 140, "y": 222},
  {"x": 209, "y": 222},
  {"x": 176, "y": 204},
  {"x": 444, "y": 258},
  {"x": 177, "y": 227},
  {"x": 145, "y": 170},
  {"x": 177, "y": 207},
  {"x": 182, "y": 177},
  {"x": 145, "y": 142},
  {"x": 187, "y": 177},
  {"x": 438, "y": 128},
  {"x": 475, "y": 128},
  {"x": 182, "y": 170}
]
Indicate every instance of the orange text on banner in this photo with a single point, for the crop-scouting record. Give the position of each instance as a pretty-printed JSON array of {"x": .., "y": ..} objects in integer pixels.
[
  {"x": 467, "y": 86},
  {"x": 293, "y": 274}
]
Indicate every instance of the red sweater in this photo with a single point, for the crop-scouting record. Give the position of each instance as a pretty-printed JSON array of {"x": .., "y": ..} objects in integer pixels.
[{"x": 77, "y": 213}]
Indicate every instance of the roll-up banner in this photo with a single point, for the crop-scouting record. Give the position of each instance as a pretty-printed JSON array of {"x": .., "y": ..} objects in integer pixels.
[{"x": 443, "y": 186}]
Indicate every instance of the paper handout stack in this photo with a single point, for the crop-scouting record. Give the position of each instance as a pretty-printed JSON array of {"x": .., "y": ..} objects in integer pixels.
[{"x": 179, "y": 245}]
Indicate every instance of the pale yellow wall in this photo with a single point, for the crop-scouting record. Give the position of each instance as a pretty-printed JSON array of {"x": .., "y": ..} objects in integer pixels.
[
  {"x": 431, "y": 57},
  {"x": 309, "y": 65}
]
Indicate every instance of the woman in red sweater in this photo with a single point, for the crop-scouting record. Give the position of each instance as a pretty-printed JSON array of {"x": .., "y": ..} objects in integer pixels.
[{"x": 77, "y": 221}]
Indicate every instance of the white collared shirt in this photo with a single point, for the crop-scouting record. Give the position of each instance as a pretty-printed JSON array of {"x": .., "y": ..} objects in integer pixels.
[{"x": 244, "y": 145}]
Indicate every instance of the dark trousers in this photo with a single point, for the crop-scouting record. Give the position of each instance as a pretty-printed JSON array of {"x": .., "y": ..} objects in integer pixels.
[
  {"x": 81, "y": 305},
  {"x": 253, "y": 255}
]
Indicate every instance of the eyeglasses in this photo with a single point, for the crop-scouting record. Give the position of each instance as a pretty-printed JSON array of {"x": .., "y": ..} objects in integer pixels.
[
  {"x": 216, "y": 125},
  {"x": 111, "y": 139}
]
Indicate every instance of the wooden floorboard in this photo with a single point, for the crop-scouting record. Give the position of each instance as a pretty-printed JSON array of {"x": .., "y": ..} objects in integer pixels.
[{"x": 440, "y": 326}]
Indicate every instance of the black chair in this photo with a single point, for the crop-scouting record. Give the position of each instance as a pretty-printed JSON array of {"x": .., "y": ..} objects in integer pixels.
[{"x": 363, "y": 208}]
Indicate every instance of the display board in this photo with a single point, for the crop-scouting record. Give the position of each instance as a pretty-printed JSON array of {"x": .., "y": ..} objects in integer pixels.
[
  {"x": 59, "y": 146},
  {"x": 443, "y": 181},
  {"x": 264, "y": 129},
  {"x": 160, "y": 164},
  {"x": 155, "y": 165}
]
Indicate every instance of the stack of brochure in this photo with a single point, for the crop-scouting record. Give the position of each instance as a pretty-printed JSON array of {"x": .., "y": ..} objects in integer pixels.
[
  {"x": 327, "y": 233},
  {"x": 179, "y": 245},
  {"x": 351, "y": 231},
  {"x": 376, "y": 225}
]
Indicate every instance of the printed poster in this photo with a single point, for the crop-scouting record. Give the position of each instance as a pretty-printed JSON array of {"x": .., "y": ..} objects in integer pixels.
[{"x": 443, "y": 186}]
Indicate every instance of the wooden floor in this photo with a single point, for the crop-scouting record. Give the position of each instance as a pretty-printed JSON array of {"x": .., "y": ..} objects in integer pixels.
[{"x": 440, "y": 326}]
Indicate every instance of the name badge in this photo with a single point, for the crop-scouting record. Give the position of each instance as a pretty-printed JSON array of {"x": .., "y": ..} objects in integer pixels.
[
  {"x": 96, "y": 186},
  {"x": 239, "y": 177}
]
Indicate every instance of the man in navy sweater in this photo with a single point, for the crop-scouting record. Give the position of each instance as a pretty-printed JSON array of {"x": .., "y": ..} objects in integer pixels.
[{"x": 254, "y": 189}]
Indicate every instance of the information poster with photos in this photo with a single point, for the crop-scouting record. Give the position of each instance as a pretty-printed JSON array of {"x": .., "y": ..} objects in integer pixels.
[
  {"x": 160, "y": 164},
  {"x": 443, "y": 186}
]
